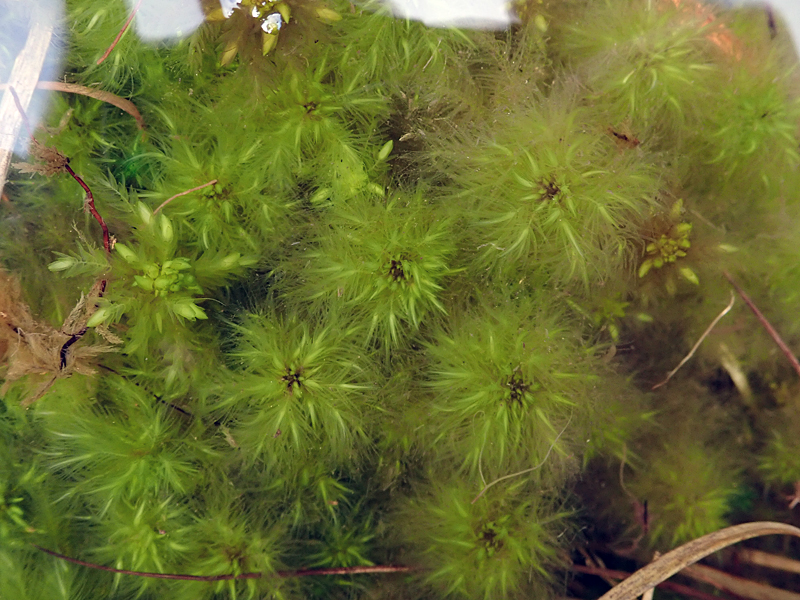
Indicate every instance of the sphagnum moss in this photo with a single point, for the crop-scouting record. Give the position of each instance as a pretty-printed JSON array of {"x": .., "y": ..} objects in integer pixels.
[{"x": 458, "y": 269}]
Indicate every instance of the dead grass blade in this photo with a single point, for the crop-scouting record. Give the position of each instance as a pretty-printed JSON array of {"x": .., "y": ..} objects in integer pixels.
[{"x": 674, "y": 561}]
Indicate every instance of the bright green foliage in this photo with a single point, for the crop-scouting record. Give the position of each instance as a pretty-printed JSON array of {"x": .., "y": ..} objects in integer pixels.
[
  {"x": 694, "y": 496},
  {"x": 228, "y": 541},
  {"x": 667, "y": 249},
  {"x": 386, "y": 260},
  {"x": 299, "y": 391},
  {"x": 132, "y": 446},
  {"x": 647, "y": 62},
  {"x": 553, "y": 194},
  {"x": 781, "y": 461},
  {"x": 506, "y": 380},
  {"x": 385, "y": 294},
  {"x": 310, "y": 118},
  {"x": 499, "y": 546},
  {"x": 751, "y": 136},
  {"x": 144, "y": 534},
  {"x": 163, "y": 286},
  {"x": 242, "y": 206},
  {"x": 780, "y": 458}
]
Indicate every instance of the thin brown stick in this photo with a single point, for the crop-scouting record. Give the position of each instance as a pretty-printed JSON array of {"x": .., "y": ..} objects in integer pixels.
[
  {"x": 667, "y": 585},
  {"x": 73, "y": 88},
  {"x": 686, "y": 358},
  {"x": 691, "y": 552},
  {"x": 766, "y": 324},
  {"x": 121, "y": 32},
  {"x": 231, "y": 576},
  {"x": 346, "y": 571},
  {"x": 178, "y": 195}
]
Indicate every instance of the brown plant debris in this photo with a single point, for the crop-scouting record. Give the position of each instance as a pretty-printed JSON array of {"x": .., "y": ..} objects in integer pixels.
[
  {"x": 47, "y": 161},
  {"x": 30, "y": 347}
]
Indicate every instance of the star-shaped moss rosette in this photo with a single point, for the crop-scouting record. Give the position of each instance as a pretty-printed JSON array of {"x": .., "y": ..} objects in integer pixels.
[
  {"x": 384, "y": 260},
  {"x": 299, "y": 390},
  {"x": 506, "y": 379},
  {"x": 551, "y": 194},
  {"x": 247, "y": 23},
  {"x": 503, "y": 545}
]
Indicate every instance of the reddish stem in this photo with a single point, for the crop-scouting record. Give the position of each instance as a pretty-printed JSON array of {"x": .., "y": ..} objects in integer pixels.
[
  {"x": 230, "y": 576},
  {"x": 89, "y": 203},
  {"x": 346, "y": 571},
  {"x": 766, "y": 324},
  {"x": 119, "y": 35}
]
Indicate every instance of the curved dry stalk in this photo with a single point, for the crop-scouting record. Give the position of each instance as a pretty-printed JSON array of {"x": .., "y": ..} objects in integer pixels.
[
  {"x": 74, "y": 88},
  {"x": 179, "y": 194},
  {"x": 674, "y": 561},
  {"x": 684, "y": 590},
  {"x": 120, "y": 34},
  {"x": 518, "y": 473},
  {"x": 686, "y": 358}
]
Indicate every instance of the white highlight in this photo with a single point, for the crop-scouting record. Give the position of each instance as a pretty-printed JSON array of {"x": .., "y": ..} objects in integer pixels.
[
  {"x": 470, "y": 14},
  {"x": 158, "y": 20}
]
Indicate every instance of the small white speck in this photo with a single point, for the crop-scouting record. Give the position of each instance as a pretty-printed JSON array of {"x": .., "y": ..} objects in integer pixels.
[{"x": 272, "y": 23}]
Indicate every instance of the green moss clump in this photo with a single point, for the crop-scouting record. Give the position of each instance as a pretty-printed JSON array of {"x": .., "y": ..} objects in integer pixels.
[{"x": 380, "y": 295}]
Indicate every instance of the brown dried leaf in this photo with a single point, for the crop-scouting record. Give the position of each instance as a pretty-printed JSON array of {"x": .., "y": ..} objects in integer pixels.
[
  {"x": 33, "y": 348},
  {"x": 49, "y": 161}
]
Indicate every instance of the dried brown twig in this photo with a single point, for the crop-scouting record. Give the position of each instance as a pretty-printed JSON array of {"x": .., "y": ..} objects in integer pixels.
[
  {"x": 49, "y": 162},
  {"x": 667, "y": 585},
  {"x": 120, "y": 34},
  {"x": 232, "y": 576},
  {"x": 676, "y": 560},
  {"x": 766, "y": 324},
  {"x": 184, "y": 193}
]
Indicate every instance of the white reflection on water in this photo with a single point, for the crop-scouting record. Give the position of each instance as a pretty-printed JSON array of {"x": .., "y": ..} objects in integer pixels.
[
  {"x": 158, "y": 20},
  {"x": 28, "y": 28},
  {"x": 470, "y": 14}
]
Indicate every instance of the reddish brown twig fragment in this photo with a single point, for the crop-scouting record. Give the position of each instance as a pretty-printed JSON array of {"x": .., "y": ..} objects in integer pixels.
[
  {"x": 766, "y": 324},
  {"x": 60, "y": 163},
  {"x": 346, "y": 571},
  {"x": 121, "y": 32},
  {"x": 89, "y": 204},
  {"x": 179, "y": 194},
  {"x": 231, "y": 576}
]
